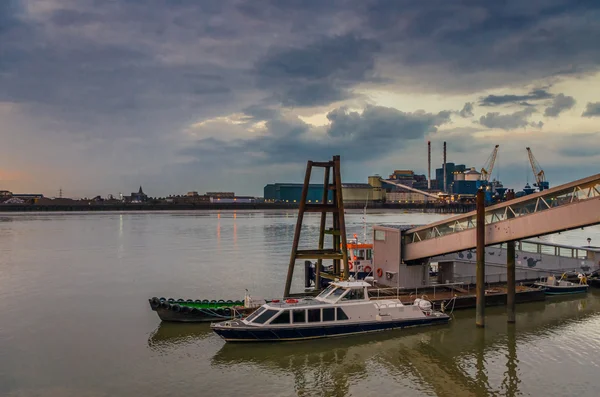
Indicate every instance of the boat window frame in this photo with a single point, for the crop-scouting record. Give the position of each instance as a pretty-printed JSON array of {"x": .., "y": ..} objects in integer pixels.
[
  {"x": 308, "y": 319},
  {"x": 255, "y": 314},
  {"x": 339, "y": 310},
  {"x": 294, "y": 311},
  {"x": 349, "y": 291},
  {"x": 322, "y": 295},
  {"x": 333, "y": 311},
  {"x": 336, "y": 298},
  {"x": 267, "y": 317},
  {"x": 282, "y": 313}
]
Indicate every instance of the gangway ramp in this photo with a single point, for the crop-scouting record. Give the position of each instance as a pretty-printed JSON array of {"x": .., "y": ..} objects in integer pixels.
[{"x": 565, "y": 207}]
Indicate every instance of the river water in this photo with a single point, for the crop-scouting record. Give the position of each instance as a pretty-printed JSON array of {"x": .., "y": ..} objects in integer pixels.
[{"x": 75, "y": 318}]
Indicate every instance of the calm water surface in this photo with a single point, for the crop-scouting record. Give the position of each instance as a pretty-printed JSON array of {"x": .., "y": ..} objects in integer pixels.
[{"x": 75, "y": 319}]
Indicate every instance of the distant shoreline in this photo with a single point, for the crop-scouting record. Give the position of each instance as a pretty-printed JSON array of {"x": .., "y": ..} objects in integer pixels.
[{"x": 430, "y": 207}]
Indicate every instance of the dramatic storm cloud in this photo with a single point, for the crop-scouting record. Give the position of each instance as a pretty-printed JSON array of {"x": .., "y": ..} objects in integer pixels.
[
  {"x": 560, "y": 104},
  {"x": 99, "y": 97},
  {"x": 592, "y": 109},
  {"x": 494, "y": 100},
  {"x": 511, "y": 121}
]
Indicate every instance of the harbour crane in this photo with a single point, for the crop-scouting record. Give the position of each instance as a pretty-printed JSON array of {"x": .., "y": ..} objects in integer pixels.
[
  {"x": 486, "y": 170},
  {"x": 538, "y": 172}
]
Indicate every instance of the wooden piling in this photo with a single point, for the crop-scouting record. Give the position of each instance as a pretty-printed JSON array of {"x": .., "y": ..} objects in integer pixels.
[
  {"x": 480, "y": 286},
  {"x": 510, "y": 274},
  {"x": 322, "y": 228},
  {"x": 510, "y": 282},
  {"x": 290, "y": 273}
]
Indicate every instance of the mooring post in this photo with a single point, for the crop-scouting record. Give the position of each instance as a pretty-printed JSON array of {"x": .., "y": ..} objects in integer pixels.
[
  {"x": 510, "y": 274},
  {"x": 480, "y": 282},
  {"x": 510, "y": 281}
]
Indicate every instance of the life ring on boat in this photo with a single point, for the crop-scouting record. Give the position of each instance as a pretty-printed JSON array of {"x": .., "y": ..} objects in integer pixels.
[
  {"x": 379, "y": 272},
  {"x": 291, "y": 301},
  {"x": 350, "y": 266},
  {"x": 367, "y": 269}
]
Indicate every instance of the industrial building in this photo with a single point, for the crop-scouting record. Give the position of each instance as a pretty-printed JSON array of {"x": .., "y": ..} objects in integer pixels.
[{"x": 292, "y": 193}]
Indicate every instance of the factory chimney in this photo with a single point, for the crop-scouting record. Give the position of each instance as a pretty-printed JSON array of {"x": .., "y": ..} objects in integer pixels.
[
  {"x": 445, "y": 190},
  {"x": 428, "y": 165}
]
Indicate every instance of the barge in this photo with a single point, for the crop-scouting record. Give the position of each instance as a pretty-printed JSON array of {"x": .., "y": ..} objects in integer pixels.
[{"x": 189, "y": 311}]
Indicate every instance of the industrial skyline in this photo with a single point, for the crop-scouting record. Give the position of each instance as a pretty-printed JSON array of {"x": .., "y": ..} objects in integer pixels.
[{"x": 100, "y": 97}]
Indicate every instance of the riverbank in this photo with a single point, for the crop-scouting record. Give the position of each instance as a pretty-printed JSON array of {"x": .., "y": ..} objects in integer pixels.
[{"x": 443, "y": 208}]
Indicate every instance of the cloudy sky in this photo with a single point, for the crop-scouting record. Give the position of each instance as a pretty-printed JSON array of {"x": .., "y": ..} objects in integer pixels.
[{"x": 100, "y": 96}]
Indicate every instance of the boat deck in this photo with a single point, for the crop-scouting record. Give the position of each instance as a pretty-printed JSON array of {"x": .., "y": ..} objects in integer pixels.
[{"x": 465, "y": 298}]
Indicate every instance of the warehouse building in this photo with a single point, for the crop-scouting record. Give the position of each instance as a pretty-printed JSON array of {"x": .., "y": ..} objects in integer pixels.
[{"x": 292, "y": 193}]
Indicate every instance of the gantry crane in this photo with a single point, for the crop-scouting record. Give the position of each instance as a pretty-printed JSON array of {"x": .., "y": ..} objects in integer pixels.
[
  {"x": 486, "y": 171},
  {"x": 538, "y": 173}
]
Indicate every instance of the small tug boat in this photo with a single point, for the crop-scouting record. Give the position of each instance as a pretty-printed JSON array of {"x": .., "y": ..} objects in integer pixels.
[
  {"x": 552, "y": 286},
  {"x": 343, "y": 308}
]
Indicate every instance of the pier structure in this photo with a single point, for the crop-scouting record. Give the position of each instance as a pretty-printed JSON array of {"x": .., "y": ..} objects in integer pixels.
[
  {"x": 339, "y": 251},
  {"x": 403, "y": 253},
  {"x": 570, "y": 206}
]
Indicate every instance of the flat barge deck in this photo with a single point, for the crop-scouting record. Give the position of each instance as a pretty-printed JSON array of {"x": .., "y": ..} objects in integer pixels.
[{"x": 459, "y": 298}]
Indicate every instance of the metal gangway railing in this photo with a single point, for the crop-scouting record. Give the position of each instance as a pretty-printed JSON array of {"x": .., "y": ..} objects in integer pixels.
[{"x": 569, "y": 206}]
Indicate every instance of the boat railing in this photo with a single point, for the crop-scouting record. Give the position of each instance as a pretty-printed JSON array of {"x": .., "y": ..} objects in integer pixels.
[
  {"x": 530, "y": 274},
  {"x": 387, "y": 292}
]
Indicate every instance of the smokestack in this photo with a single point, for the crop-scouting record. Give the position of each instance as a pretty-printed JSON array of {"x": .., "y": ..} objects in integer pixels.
[
  {"x": 445, "y": 187},
  {"x": 429, "y": 165}
]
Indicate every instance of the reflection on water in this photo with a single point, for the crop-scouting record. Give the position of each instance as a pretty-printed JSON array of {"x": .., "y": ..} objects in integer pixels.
[
  {"x": 168, "y": 335},
  {"x": 449, "y": 360}
]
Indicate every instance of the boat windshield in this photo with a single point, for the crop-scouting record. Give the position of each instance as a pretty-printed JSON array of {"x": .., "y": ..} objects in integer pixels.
[
  {"x": 336, "y": 294},
  {"x": 256, "y": 313},
  {"x": 326, "y": 291}
]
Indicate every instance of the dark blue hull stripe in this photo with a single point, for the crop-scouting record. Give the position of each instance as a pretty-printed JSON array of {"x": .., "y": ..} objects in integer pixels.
[
  {"x": 564, "y": 291},
  {"x": 288, "y": 334}
]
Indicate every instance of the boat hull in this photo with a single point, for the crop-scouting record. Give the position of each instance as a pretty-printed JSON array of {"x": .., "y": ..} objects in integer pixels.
[
  {"x": 197, "y": 311},
  {"x": 278, "y": 334},
  {"x": 557, "y": 290}
]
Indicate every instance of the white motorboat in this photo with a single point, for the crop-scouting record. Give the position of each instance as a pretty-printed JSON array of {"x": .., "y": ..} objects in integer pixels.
[{"x": 343, "y": 308}]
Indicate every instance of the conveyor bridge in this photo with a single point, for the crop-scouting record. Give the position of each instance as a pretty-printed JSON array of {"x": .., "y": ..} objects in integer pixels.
[{"x": 566, "y": 207}]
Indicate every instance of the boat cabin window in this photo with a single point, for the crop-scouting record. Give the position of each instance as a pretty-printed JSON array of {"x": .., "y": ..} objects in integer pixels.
[
  {"x": 336, "y": 294},
  {"x": 263, "y": 318},
  {"x": 354, "y": 294},
  {"x": 314, "y": 315},
  {"x": 283, "y": 318},
  {"x": 255, "y": 314},
  {"x": 341, "y": 315},
  {"x": 299, "y": 316},
  {"x": 369, "y": 255},
  {"x": 328, "y": 314},
  {"x": 326, "y": 291}
]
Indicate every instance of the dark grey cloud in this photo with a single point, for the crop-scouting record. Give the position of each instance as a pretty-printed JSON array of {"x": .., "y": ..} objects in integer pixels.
[
  {"x": 320, "y": 73},
  {"x": 592, "y": 109},
  {"x": 467, "y": 110},
  {"x": 560, "y": 103},
  {"x": 290, "y": 140},
  {"x": 511, "y": 121},
  {"x": 513, "y": 42},
  {"x": 495, "y": 100}
]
